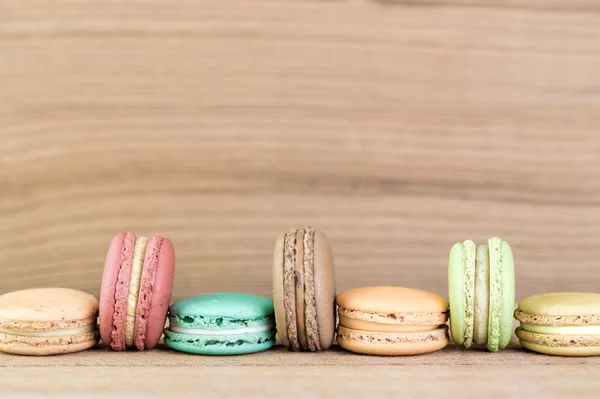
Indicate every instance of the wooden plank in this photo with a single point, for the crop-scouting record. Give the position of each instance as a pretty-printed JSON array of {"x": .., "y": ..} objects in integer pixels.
[
  {"x": 277, "y": 373},
  {"x": 397, "y": 130}
]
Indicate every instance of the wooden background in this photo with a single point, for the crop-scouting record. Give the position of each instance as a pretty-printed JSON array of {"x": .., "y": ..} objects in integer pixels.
[{"x": 398, "y": 128}]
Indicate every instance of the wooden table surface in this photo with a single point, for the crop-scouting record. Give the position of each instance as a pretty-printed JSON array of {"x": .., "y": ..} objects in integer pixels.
[
  {"x": 277, "y": 373},
  {"x": 397, "y": 127}
]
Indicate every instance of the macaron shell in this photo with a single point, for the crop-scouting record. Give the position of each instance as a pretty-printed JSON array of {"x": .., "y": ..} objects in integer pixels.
[
  {"x": 456, "y": 293},
  {"x": 289, "y": 289},
  {"x": 47, "y": 309},
  {"x": 115, "y": 289},
  {"x": 392, "y": 344},
  {"x": 364, "y": 325},
  {"x": 222, "y": 311},
  {"x": 564, "y": 345},
  {"x": 562, "y": 350},
  {"x": 155, "y": 292},
  {"x": 218, "y": 345},
  {"x": 278, "y": 291},
  {"x": 394, "y": 300},
  {"x": 310, "y": 302},
  {"x": 508, "y": 295},
  {"x": 568, "y": 320},
  {"x": 107, "y": 289},
  {"x": 325, "y": 289},
  {"x": 496, "y": 295},
  {"x": 300, "y": 288},
  {"x": 45, "y": 346},
  {"x": 543, "y": 308}
]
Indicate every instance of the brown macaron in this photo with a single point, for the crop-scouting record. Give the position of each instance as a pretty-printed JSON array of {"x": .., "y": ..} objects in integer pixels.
[{"x": 304, "y": 290}]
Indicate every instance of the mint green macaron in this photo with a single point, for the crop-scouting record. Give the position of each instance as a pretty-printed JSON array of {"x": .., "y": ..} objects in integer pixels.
[
  {"x": 221, "y": 324},
  {"x": 481, "y": 293}
]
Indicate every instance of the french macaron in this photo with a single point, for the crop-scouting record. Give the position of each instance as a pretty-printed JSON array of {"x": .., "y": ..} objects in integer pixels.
[
  {"x": 221, "y": 324},
  {"x": 481, "y": 292},
  {"x": 304, "y": 290},
  {"x": 136, "y": 291},
  {"x": 48, "y": 321},
  {"x": 391, "y": 321},
  {"x": 565, "y": 324}
]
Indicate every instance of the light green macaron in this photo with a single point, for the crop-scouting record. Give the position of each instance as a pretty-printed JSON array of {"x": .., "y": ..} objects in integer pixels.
[{"x": 481, "y": 291}]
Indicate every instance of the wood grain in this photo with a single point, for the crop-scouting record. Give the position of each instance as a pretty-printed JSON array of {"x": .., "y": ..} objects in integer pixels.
[
  {"x": 277, "y": 373},
  {"x": 397, "y": 129}
]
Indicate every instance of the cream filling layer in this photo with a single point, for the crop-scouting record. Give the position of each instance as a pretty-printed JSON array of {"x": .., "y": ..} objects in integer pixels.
[
  {"x": 56, "y": 333},
  {"x": 139, "y": 253},
  {"x": 233, "y": 331},
  {"x": 561, "y": 330},
  {"x": 482, "y": 295}
]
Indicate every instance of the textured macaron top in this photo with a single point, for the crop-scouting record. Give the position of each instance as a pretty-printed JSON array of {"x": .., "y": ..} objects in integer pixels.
[
  {"x": 388, "y": 299},
  {"x": 560, "y": 309},
  {"x": 561, "y": 304},
  {"x": 47, "y": 309},
  {"x": 221, "y": 310}
]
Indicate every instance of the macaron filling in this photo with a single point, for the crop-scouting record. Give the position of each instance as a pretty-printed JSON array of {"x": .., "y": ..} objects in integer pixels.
[
  {"x": 482, "y": 298},
  {"x": 495, "y": 311},
  {"x": 139, "y": 252},
  {"x": 561, "y": 330},
  {"x": 56, "y": 333},
  {"x": 209, "y": 322},
  {"x": 402, "y": 321},
  {"x": 233, "y": 331}
]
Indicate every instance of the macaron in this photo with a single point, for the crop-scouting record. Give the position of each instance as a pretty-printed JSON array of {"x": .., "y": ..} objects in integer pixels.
[
  {"x": 47, "y": 321},
  {"x": 481, "y": 292},
  {"x": 565, "y": 324},
  {"x": 304, "y": 290},
  {"x": 221, "y": 324},
  {"x": 391, "y": 321},
  {"x": 136, "y": 291}
]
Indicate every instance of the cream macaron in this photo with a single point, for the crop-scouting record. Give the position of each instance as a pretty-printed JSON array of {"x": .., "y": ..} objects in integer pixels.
[
  {"x": 48, "y": 321},
  {"x": 391, "y": 321},
  {"x": 563, "y": 323}
]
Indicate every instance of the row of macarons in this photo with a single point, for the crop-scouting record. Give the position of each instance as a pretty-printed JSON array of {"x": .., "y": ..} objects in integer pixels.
[{"x": 306, "y": 313}]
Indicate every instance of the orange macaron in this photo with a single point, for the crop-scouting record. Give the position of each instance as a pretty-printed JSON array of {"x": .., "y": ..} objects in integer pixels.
[{"x": 391, "y": 321}]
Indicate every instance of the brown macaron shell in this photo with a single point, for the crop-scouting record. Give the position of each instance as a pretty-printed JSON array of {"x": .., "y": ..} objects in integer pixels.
[
  {"x": 300, "y": 288},
  {"x": 309, "y": 303},
  {"x": 278, "y": 291},
  {"x": 289, "y": 289},
  {"x": 325, "y": 289}
]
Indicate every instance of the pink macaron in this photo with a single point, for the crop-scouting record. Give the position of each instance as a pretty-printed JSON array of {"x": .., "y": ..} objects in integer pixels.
[{"x": 136, "y": 291}]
